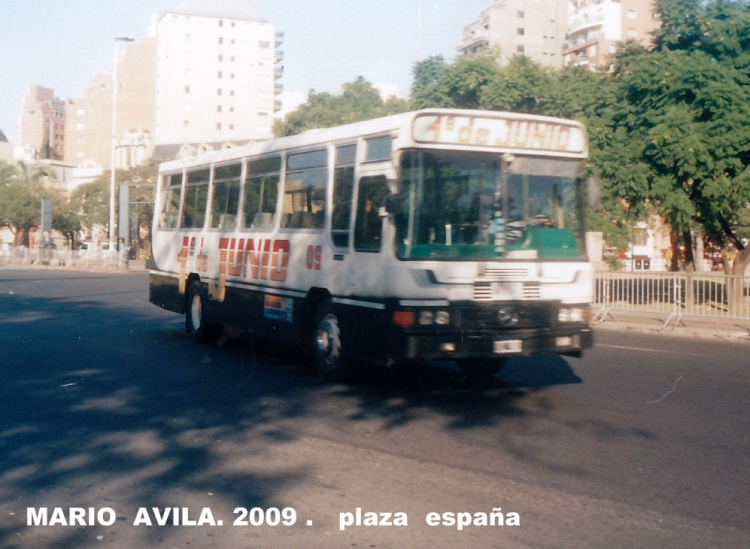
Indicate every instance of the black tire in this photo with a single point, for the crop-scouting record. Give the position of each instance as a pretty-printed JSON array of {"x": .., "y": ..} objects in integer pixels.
[
  {"x": 325, "y": 345},
  {"x": 481, "y": 369},
  {"x": 202, "y": 330}
]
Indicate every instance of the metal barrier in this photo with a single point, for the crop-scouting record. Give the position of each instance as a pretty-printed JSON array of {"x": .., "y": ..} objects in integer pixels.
[
  {"x": 21, "y": 255},
  {"x": 675, "y": 295}
]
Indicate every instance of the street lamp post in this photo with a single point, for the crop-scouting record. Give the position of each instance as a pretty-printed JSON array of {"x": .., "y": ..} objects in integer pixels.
[{"x": 114, "y": 143}]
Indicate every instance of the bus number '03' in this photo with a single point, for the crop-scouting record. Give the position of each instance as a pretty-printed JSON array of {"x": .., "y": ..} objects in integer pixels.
[{"x": 314, "y": 257}]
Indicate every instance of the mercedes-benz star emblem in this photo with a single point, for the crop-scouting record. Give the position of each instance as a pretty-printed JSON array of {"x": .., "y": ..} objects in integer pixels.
[{"x": 507, "y": 316}]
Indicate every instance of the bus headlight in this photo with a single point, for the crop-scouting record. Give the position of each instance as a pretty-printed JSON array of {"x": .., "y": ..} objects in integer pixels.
[
  {"x": 572, "y": 314},
  {"x": 426, "y": 318},
  {"x": 442, "y": 318}
]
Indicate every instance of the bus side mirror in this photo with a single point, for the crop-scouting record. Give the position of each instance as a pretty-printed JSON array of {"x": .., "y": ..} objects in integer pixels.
[{"x": 391, "y": 205}]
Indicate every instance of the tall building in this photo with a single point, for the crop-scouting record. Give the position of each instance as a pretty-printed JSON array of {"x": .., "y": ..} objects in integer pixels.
[
  {"x": 42, "y": 123},
  {"x": 597, "y": 25},
  {"x": 534, "y": 28},
  {"x": 204, "y": 78},
  {"x": 217, "y": 67},
  {"x": 89, "y": 127}
]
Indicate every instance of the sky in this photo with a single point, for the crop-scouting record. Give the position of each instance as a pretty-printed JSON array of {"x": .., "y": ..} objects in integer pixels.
[{"x": 63, "y": 44}]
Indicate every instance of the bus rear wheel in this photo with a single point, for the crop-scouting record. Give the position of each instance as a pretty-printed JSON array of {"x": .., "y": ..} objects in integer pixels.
[
  {"x": 195, "y": 323},
  {"x": 325, "y": 345}
]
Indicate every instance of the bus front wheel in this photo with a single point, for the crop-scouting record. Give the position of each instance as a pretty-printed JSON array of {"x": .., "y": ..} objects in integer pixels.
[
  {"x": 195, "y": 323},
  {"x": 325, "y": 343}
]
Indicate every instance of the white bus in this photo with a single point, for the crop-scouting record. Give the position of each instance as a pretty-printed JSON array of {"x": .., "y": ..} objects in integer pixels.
[{"x": 432, "y": 235}]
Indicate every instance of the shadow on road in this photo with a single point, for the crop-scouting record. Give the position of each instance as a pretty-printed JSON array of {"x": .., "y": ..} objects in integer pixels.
[{"x": 106, "y": 402}]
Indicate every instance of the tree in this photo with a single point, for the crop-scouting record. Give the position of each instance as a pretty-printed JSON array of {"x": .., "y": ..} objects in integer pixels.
[
  {"x": 358, "y": 101},
  {"x": 22, "y": 193},
  {"x": 684, "y": 120},
  {"x": 458, "y": 85}
]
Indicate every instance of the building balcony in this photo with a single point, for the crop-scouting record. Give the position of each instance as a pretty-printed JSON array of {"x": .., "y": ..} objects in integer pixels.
[
  {"x": 278, "y": 89},
  {"x": 473, "y": 44},
  {"x": 278, "y": 38},
  {"x": 278, "y": 56},
  {"x": 277, "y": 106},
  {"x": 278, "y": 72}
]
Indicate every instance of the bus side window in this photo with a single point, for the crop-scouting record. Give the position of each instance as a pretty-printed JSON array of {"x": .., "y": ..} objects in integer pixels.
[
  {"x": 305, "y": 191},
  {"x": 343, "y": 189},
  {"x": 170, "y": 201},
  {"x": 368, "y": 226},
  {"x": 226, "y": 197},
  {"x": 196, "y": 199},
  {"x": 261, "y": 193}
]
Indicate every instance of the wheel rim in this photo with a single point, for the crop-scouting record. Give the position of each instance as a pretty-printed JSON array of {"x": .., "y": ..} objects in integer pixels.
[
  {"x": 325, "y": 337},
  {"x": 196, "y": 312}
]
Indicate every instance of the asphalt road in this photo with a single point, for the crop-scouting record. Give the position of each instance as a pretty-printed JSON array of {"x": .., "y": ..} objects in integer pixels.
[{"x": 106, "y": 404}]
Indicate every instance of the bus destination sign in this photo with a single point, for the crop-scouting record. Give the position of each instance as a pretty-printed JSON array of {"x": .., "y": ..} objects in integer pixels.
[{"x": 502, "y": 133}]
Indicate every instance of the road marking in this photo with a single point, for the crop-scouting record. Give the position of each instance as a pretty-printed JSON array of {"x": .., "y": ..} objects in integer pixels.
[{"x": 653, "y": 350}]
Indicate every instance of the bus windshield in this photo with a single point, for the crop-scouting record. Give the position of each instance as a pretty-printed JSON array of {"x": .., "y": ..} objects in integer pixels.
[{"x": 480, "y": 207}]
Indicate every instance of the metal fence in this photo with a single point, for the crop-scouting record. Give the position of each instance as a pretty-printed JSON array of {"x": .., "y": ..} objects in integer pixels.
[
  {"x": 673, "y": 295},
  {"x": 20, "y": 255}
]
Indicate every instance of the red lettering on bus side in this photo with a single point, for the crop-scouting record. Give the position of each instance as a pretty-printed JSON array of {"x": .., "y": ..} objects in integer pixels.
[
  {"x": 280, "y": 260},
  {"x": 236, "y": 256},
  {"x": 314, "y": 258},
  {"x": 182, "y": 261},
  {"x": 258, "y": 260}
]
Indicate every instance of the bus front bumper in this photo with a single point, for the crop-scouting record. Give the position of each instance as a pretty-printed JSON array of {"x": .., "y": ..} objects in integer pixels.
[{"x": 467, "y": 345}]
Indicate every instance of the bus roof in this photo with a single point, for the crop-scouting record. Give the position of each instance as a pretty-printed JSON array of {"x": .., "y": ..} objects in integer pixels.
[{"x": 434, "y": 128}]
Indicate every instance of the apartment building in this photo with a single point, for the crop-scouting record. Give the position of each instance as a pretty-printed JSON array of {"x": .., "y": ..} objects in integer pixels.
[
  {"x": 205, "y": 77},
  {"x": 216, "y": 72},
  {"x": 42, "y": 123},
  {"x": 534, "y": 28},
  {"x": 595, "y": 27},
  {"x": 89, "y": 127}
]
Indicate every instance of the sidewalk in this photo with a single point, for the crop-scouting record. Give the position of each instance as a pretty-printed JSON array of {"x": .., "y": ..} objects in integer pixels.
[{"x": 691, "y": 327}]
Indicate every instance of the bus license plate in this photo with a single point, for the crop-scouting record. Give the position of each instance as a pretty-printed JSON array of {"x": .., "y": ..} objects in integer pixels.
[{"x": 508, "y": 346}]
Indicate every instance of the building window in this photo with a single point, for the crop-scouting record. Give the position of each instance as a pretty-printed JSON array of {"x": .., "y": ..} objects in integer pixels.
[
  {"x": 520, "y": 31},
  {"x": 218, "y": 125},
  {"x": 221, "y": 58},
  {"x": 218, "y": 92},
  {"x": 632, "y": 14},
  {"x": 185, "y": 123},
  {"x": 221, "y": 23},
  {"x": 187, "y": 89},
  {"x": 520, "y": 49},
  {"x": 218, "y": 108},
  {"x": 221, "y": 40},
  {"x": 264, "y": 45},
  {"x": 521, "y": 14},
  {"x": 218, "y": 74}
]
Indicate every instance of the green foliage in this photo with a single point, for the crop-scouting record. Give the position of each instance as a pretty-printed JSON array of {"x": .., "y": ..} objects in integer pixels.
[
  {"x": 21, "y": 192},
  {"x": 358, "y": 101}
]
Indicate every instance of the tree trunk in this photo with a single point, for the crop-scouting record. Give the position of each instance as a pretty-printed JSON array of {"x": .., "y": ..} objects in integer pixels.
[
  {"x": 674, "y": 264},
  {"x": 687, "y": 240},
  {"x": 736, "y": 300}
]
